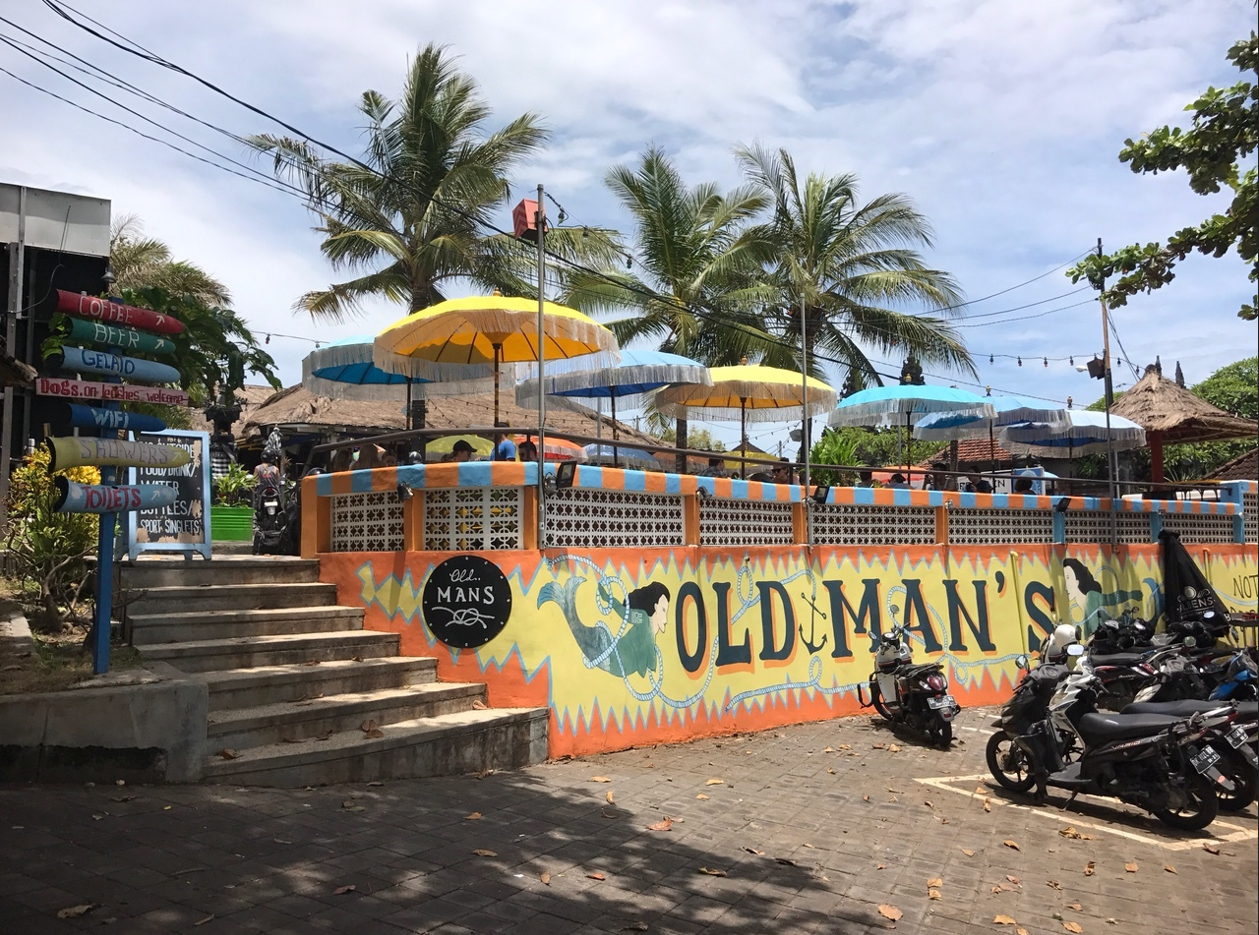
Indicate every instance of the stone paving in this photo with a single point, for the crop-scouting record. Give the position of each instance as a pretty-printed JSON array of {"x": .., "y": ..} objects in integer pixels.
[{"x": 801, "y": 829}]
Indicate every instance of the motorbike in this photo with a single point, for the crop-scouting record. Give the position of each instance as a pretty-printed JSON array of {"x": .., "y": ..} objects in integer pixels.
[
  {"x": 1233, "y": 742},
  {"x": 1237, "y": 681},
  {"x": 1156, "y": 762},
  {"x": 915, "y": 696},
  {"x": 269, "y": 521}
]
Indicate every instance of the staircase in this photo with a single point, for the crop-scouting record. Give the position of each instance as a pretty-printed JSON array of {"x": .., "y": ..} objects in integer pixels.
[{"x": 299, "y": 693}]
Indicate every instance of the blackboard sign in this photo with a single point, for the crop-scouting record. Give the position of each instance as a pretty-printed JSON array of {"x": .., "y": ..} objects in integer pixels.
[
  {"x": 466, "y": 601},
  {"x": 184, "y": 526}
]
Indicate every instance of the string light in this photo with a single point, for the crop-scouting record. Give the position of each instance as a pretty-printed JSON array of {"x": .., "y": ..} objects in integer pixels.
[
  {"x": 1020, "y": 361},
  {"x": 1046, "y": 361},
  {"x": 268, "y": 340}
]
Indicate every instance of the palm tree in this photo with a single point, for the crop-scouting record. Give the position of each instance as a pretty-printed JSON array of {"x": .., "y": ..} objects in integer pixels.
[
  {"x": 856, "y": 267},
  {"x": 141, "y": 262},
  {"x": 696, "y": 278},
  {"x": 413, "y": 213}
]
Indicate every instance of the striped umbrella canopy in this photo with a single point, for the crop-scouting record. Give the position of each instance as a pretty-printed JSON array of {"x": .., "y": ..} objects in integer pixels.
[
  {"x": 462, "y": 339},
  {"x": 620, "y": 456},
  {"x": 891, "y": 406},
  {"x": 557, "y": 449}
]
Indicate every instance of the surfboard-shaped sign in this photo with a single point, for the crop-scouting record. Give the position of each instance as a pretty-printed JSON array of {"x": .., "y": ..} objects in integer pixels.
[
  {"x": 107, "y": 498},
  {"x": 82, "y": 359},
  {"x": 115, "y": 313},
  {"x": 111, "y": 452},
  {"x": 92, "y": 417},
  {"x": 109, "y": 392},
  {"x": 126, "y": 339}
]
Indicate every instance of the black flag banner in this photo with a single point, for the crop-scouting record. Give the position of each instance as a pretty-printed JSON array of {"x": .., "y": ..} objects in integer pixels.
[{"x": 1189, "y": 594}]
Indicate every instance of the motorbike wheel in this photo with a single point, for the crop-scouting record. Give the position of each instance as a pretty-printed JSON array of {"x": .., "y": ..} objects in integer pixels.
[
  {"x": 1200, "y": 810},
  {"x": 877, "y": 700},
  {"x": 1016, "y": 774},
  {"x": 1243, "y": 776}
]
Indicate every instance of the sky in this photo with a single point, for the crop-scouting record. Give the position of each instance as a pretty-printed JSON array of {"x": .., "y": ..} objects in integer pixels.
[{"x": 1001, "y": 121}]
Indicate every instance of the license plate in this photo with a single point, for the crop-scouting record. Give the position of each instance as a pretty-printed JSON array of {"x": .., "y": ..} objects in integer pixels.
[
  {"x": 941, "y": 701},
  {"x": 1237, "y": 736},
  {"x": 1204, "y": 760}
]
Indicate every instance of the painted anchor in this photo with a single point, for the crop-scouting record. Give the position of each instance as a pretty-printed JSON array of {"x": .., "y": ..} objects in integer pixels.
[{"x": 808, "y": 644}]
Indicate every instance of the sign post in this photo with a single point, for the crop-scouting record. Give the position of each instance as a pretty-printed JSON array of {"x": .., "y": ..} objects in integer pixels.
[{"x": 183, "y": 525}]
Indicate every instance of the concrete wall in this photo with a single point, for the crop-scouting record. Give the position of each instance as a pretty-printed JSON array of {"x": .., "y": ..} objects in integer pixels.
[{"x": 143, "y": 727}]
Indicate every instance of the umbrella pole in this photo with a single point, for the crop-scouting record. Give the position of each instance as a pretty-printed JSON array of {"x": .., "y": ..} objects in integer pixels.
[
  {"x": 498, "y": 348},
  {"x": 743, "y": 434},
  {"x": 614, "y": 449},
  {"x": 541, "y": 226}
]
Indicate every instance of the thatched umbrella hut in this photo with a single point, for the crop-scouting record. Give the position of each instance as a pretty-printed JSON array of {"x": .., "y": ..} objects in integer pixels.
[{"x": 1170, "y": 414}]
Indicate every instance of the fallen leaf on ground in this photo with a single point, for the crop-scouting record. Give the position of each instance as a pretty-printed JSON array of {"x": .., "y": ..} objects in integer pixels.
[
  {"x": 831, "y": 770},
  {"x": 878, "y": 746},
  {"x": 1169, "y": 868},
  {"x": 1076, "y": 906},
  {"x": 342, "y": 890},
  {"x": 483, "y": 852},
  {"x": 1011, "y": 844},
  {"x": 928, "y": 803},
  {"x": 1072, "y": 927},
  {"x": 933, "y": 893},
  {"x": 1210, "y": 848},
  {"x": 935, "y": 881},
  {"x": 371, "y": 729},
  {"x": 545, "y": 877},
  {"x": 480, "y": 705},
  {"x": 893, "y": 748},
  {"x": 998, "y": 888},
  {"x": 73, "y": 912},
  {"x": 786, "y": 861},
  {"x": 712, "y": 872},
  {"x": 890, "y": 912},
  {"x": 634, "y": 927},
  {"x": 829, "y": 750},
  {"x": 1054, "y": 885},
  {"x": 968, "y": 853},
  {"x": 1015, "y": 880},
  {"x": 1004, "y": 920},
  {"x": 1131, "y": 867},
  {"x": 1090, "y": 868},
  {"x": 473, "y": 817},
  {"x": 880, "y": 866},
  {"x": 890, "y": 789},
  {"x": 1070, "y": 832},
  {"x": 1020, "y": 931},
  {"x": 893, "y": 799},
  {"x": 865, "y": 798},
  {"x": 752, "y": 850},
  {"x": 600, "y": 779},
  {"x": 611, "y": 798},
  {"x": 596, "y": 875},
  {"x": 211, "y": 917},
  {"x": 663, "y": 824},
  {"x": 715, "y": 782},
  {"x": 845, "y": 746},
  {"x": 228, "y": 753},
  {"x": 701, "y": 796}
]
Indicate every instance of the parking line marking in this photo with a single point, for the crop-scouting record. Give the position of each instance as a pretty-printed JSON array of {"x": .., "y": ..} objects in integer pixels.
[{"x": 1239, "y": 832}]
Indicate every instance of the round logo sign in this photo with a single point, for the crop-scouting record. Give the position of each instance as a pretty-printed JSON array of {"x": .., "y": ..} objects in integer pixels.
[{"x": 466, "y": 602}]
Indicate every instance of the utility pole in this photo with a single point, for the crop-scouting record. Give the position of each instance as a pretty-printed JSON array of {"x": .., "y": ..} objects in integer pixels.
[{"x": 1109, "y": 397}]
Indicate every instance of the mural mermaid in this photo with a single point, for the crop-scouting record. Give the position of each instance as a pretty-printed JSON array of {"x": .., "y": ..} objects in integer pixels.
[{"x": 632, "y": 649}]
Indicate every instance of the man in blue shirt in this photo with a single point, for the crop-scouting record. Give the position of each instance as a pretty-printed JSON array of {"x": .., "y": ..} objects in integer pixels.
[{"x": 504, "y": 447}]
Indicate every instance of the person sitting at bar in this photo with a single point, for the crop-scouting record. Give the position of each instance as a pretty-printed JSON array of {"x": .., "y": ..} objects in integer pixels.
[
  {"x": 716, "y": 468},
  {"x": 781, "y": 473},
  {"x": 369, "y": 456},
  {"x": 461, "y": 450},
  {"x": 343, "y": 460},
  {"x": 1022, "y": 484},
  {"x": 897, "y": 482},
  {"x": 977, "y": 483},
  {"x": 504, "y": 447},
  {"x": 528, "y": 450},
  {"x": 938, "y": 480},
  {"x": 866, "y": 478}
]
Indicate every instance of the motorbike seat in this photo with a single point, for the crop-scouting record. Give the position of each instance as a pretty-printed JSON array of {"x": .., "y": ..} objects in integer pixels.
[
  {"x": 1103, "y": 728},
  {"x": 1118, "y": 659},
  {"x": 1247, "y": 709},
  {"x": 1181, "y": 709},
  {"x": 921, "y": 668}
]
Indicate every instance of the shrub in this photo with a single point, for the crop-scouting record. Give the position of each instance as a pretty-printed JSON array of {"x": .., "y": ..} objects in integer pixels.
[{"x": 49, "y": 549}]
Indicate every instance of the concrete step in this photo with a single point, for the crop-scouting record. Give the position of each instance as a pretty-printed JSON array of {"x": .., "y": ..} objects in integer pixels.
[
  {"x": 288, "y": 722},
  {"x": 247, "y": 569},
  {"x": 147, "y": 629},
  {"x": 208, "y": 597},
  {"x": 276, "y": 650},
  {"x": 444, "y": 745},
  {"x": 265, "y": 685}
]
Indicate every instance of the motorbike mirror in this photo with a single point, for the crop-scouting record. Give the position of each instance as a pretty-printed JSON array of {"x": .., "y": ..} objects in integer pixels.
[
  {"x": 1021, "y": 661},
  {"x": 889, "y": 635},
  {"x": 1075, "y": 649}
]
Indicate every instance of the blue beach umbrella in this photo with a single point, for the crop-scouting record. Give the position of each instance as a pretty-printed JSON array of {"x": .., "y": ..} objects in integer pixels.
[
  {"x": 1082, "y": 432},
  {"x": 622, "y": 457},
  {"x": 954, "y": 426},
  {"x": 891, "y": 406},
  {"x": 344, "y": 369}
]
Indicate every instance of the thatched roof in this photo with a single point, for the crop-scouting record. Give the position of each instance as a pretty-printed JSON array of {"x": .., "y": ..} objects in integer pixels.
[
  {"x": 1243, "y": 467},
  {"x": 1160, "y": 405},
  {"x": 299, "y": 410}
]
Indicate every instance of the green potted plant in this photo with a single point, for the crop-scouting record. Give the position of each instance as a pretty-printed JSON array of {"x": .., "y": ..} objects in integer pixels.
[{"x": 232, "y": 515}]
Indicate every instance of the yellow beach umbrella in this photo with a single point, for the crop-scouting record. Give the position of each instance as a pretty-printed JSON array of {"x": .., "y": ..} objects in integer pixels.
[
  {"x": 749, "y": 393},
  {"x": 463, "y": 339},
  {"x": 446, "y": 444}
]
